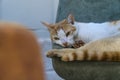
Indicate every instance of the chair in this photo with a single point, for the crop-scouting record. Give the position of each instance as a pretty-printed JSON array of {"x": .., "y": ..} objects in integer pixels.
[{"x": 88, "y": 11}]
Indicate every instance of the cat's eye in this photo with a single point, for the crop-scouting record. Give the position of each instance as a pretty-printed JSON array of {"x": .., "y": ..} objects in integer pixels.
[
  {"x": 68, "y": 33},
  {"x": 56, "y": 38}
]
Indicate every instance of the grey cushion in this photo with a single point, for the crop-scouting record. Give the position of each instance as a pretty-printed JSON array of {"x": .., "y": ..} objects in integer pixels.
[{"x": 88, "y": 11}]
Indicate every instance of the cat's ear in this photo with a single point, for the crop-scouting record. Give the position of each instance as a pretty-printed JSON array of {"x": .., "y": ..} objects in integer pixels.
[
  {"x": 47, "y": 25},
  {"x": 71, "y": 19},
  {"x": 63, "y": 21}
]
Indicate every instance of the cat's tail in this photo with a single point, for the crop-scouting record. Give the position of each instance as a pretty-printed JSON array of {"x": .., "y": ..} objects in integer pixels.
[
  {"x": 98, "y": 56},
  {"x": 101, "y": 50}
]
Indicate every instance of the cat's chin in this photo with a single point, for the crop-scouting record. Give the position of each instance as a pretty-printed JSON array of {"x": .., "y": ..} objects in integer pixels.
[
  {"x": 61, "y": 46},
  {"x": 68, "y": 46}
]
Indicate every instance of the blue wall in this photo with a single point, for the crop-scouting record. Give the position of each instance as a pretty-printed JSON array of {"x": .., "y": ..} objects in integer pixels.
[{"x": 29, "y": 12}]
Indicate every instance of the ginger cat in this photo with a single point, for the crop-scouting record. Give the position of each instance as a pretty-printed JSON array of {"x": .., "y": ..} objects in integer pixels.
[
  {"x": 102, "y": 40},
  {"x": 20, "y": 56}
]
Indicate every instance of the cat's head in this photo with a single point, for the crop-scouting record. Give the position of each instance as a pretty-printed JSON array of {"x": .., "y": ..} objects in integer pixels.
[{"x": 62, "y": 33}]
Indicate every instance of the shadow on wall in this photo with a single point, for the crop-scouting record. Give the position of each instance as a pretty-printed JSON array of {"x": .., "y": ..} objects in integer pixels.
[{"x": 29, "y": 12}]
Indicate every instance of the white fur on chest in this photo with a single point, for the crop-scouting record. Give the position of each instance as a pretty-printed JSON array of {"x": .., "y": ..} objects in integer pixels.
[{"x": 94, "y": 31}]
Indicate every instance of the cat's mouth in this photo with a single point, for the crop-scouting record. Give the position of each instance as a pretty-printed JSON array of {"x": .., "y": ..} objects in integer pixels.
[
  {"x": 65, "y": 44},
  {"x": 70, "y": 46}
]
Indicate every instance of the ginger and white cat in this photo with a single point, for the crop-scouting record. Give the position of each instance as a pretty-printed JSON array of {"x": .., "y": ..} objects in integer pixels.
[{"x": 102, "y": 40}]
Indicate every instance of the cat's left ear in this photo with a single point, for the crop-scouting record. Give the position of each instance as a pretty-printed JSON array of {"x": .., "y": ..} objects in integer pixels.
[
  {"x": 71, "y": 19},
  {"x": 49, "y": 26}
]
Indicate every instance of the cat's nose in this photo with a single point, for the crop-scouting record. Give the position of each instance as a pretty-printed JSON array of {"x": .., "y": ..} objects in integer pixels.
[{"x": 65, "y": 44}]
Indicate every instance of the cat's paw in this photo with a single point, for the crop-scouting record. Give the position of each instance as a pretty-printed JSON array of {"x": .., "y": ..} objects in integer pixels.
[
  {"x": 54, "y": 53},
  {"x": 78, "y": 44},
  {"x": 65, "y": 54},
  {"x": 50, "y": 54}
]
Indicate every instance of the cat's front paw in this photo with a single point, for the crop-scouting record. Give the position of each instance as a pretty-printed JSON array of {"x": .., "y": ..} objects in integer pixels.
[
  {"x": 54, "y": 53},
  {"x": 64, "y": 54},
  {"x": 50, "y": 54}
]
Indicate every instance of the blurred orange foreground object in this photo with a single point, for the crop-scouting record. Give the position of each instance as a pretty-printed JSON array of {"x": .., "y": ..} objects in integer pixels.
[{"x": 20, "y": 57}]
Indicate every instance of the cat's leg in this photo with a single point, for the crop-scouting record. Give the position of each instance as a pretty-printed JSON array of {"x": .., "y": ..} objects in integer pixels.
[
  {"x": 65, "y": 54},
  {"x": 106, "y": 49},
  {"x": 69, "y": 54}
]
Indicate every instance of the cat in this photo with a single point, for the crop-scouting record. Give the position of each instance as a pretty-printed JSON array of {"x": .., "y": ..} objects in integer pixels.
[
  {"x": 102, "y": 40},
  {"x": 20, "y": 53}
]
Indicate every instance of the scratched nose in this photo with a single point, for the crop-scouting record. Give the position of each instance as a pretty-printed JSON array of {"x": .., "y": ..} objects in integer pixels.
[{"x": 65, "y": 44}]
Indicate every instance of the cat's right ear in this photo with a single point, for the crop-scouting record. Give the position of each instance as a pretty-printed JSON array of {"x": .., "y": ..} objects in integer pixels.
[
  {"x": 71, "y": 19},
  {"x": 45, "y": 24},
  {"x": 49, "y": 26}
]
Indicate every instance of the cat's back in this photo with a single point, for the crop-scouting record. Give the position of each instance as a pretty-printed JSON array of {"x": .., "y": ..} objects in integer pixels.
[
  {"x": 93, "y": 31},
  {"x": 92, "y": 26}
]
